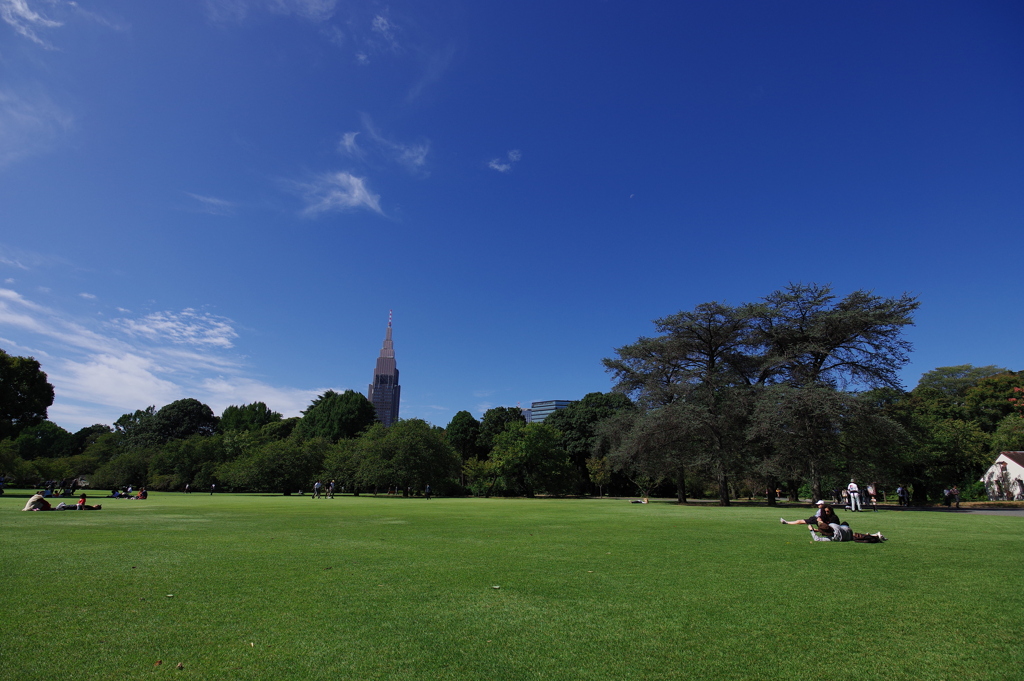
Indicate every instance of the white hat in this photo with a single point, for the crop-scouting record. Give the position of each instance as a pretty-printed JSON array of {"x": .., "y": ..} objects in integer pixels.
[{"x": 820, "y": 502}]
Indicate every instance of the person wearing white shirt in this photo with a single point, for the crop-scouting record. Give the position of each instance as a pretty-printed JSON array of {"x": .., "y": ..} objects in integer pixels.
[{"x": 854, "y": 496}]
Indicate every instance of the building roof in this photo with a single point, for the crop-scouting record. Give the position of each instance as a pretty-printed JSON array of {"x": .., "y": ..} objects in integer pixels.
[{"x": 1016, "y": 457}]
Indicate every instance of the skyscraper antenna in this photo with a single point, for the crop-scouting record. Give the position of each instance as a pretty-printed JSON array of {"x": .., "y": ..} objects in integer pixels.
[{"x": 389, "y": 317}]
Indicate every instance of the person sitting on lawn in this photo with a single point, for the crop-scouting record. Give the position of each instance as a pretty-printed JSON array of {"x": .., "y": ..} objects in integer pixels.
[
  {"x": 830, "y": 529},
  {"x": 37, "y": 503},
  {"x": 813, "y": 520}
]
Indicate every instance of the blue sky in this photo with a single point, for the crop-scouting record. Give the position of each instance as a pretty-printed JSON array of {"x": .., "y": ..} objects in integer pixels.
[{"x": 223, "y": 199}]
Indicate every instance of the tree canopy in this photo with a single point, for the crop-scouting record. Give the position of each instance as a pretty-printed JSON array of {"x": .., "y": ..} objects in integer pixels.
[
  {"x": 25, "y": 394},
  {"x": 336, "y": 416}
]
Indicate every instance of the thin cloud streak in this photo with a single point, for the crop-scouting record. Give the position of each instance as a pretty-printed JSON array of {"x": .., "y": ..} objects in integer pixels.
[
  {"x": 28, "y": 125},
  {"x": 338, "y": 191},
  {"x": 25, "y": 21},
  {"x": 212, "y": 205}
]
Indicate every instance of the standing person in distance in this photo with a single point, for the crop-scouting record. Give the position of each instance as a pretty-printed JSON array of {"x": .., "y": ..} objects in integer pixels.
[{"x": 854, "y": 493}]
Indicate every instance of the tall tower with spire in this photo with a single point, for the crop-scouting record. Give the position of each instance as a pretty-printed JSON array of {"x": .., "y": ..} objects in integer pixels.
[{"x": 384, "y": 391}]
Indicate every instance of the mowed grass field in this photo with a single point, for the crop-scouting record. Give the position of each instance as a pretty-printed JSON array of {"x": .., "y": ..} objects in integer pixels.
[{"x": 273, "y": 587}]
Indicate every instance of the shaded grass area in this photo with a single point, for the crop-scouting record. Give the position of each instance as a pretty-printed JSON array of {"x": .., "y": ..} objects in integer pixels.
[{"x": 268, "y": 587}]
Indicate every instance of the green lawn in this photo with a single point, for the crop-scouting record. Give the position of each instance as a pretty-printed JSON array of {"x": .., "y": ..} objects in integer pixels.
[{"x": 271, "y": 587}]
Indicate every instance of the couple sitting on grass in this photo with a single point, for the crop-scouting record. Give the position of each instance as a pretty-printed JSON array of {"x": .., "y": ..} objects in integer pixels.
[
  {"x": 37, "y": 503},
  {"x": 826, "y": 526}
]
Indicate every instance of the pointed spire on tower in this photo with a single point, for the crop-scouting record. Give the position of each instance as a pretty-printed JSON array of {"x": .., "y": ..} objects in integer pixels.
[{"x": 384, "y": 391}]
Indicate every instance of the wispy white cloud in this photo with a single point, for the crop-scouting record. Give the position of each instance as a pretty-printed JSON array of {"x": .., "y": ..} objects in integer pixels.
[
  {"x": 348, "y": 145},
  {"x": 187, "y": 327},
  {"x": 212, "y": 205},
  {"x": 25, "y": 20},
  {"x": 413, "y": 157},
  {"x": 338, "y": 191},
  {"x": 238, "y": 10},
  {"x": 29, "y": 124},
  {"x": 362, "y": 58},
  {"x": 87, "y": 296},
  {"x": 383, "y": 27},
  {"x": 503, "y": 165},
  {"x": 103, "y": 369}
]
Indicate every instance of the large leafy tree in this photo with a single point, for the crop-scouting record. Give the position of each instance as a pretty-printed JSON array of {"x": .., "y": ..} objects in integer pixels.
[
  {"x": 462, "y": 433},
  {"x": 409, "y": 453},
  {"x": 578, "y": 423},
  {"x": 184, "y": 418},
  {"x": 990, "y": 400},
  {"x": 954, "y": 382},
  {"x": 528, "y": 459},
  {"x": 702, "y": 363},
  {"x": 25, "y": 394},
  {"x": 806, "y": 336},
  {"x": 711, "y": 358},
  {"x": 45, "y": 440},
  {"x": 336, "y": 416},
  {"x": 138, "y": 429},
  {"x": 247, "y": 417},
  {"x": 278, "y": 466},
  {"x": 647, "y": 448},
  {"x": 495, "y": 422}
]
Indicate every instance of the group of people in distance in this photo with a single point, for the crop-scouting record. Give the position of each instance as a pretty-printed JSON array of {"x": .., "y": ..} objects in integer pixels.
[
  {"x": 129, "y": 493},
  {"x": 826, "y": 526},
  {"x": 37, "y": 502},
  {"x": 323, "y": 491}
]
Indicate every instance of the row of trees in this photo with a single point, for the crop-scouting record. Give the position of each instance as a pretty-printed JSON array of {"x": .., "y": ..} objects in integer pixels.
[{"x": 798, "y": 390}]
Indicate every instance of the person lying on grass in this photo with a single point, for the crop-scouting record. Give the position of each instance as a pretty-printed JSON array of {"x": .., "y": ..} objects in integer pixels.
[
  {"x": 836, "y": 531},
  {"x": 813, "y": 520},
  {"x": 82, "y": 506}
]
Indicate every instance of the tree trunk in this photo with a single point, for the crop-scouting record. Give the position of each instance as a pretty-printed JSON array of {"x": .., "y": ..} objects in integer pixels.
[
  {"x": 815, "y": 483},
  {"x": 723, "y": 488},
  {"x": 794, "y": 490},
  {"x": 770, "y": 491},
  {"x": 681, "y": 485}
]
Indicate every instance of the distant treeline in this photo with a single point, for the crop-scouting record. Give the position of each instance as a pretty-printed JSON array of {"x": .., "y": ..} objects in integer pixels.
[{"x": 795, "y": 392}]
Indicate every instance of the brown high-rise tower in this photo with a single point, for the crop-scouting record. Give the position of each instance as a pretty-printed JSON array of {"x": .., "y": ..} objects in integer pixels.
[{"x": 384, "y": 391}]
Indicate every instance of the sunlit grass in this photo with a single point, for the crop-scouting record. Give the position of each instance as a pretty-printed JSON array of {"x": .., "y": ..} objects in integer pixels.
[{"x": 270, "y": 587}]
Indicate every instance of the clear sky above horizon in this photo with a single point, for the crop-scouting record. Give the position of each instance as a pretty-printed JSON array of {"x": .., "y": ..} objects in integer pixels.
[{"x": 223, "y": 199}]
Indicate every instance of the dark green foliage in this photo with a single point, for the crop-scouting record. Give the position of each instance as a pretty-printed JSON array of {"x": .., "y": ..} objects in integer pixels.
[
  {"x": 529, "y": 459},
  {"x": 25, "y": 394},
  {"x": 88, "y": 435},
  {"x": 408, "y": 454},
  {"x": 703, "y": 375},
  {"x": 463, "y": 432},
  {"x": 341, "y": 464},
  {"x": 334, "y": 416},
  {"x": 137, "y": 430},
  {"x": 1009, "y": 436},
  {"x": 953, "y": 382},
  {"x": 578, "y": 423},
  {"x": 988, "y": 401},
  {"x": 280, "y": 430},
  {"x": 45, "y": 440},
  {"x": 495, "y": 422},
  {"x": 247, "y": 417},
  {"x": 279, "y": 466},
  {"x": 183, "y": 419}
]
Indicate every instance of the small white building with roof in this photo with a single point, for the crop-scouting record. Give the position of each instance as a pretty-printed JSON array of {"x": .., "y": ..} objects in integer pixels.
[{"x": 1004, "y": 481}]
